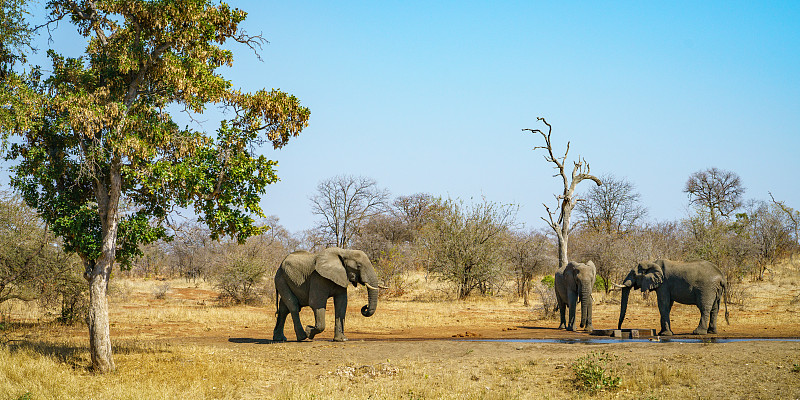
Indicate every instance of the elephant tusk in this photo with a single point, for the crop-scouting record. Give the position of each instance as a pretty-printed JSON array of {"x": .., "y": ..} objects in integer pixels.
[
  {"x": 382, "y": 287},
  {"x": 370, "y": 286},
  {"x": 617, "y": 286}
]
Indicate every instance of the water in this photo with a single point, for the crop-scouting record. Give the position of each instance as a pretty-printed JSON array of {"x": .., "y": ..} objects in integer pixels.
[{"x": 650, "y": 340}]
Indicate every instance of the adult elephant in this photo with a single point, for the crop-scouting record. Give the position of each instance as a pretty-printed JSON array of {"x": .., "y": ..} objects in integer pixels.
[
  {"x": 574, "y": 284},
  {"x": 309, "y": 279},
  {"x": 700, "y": 283}
]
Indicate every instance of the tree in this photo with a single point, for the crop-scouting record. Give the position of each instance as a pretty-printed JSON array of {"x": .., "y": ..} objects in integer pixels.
[
  {"x": 345, "y": 204},
  {"x": 613, "y": 207},
  {"x": 463, "y": 244},
  {"x": 566, "y": 200},
  {"x": 527, "y": 255},
  {"x": 97, "y": 132},
  {"x": 715, "y": 191}
]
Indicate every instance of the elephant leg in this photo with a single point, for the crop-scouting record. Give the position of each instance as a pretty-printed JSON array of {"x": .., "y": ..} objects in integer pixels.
[
  {"x": 712, "y": 322},
  {"x": 317, "y": 299},
  {"x": 573, "y": 302},
  {"x": 292, "y": 304},
  {"x": 664, "y": 307},
  {"x": 340, "y": 309},
  {"x": 277, "y": 333},
  {"x": 562, "y": 310},
  {"x": 319, "y": 323},
  {"x": 705, "y": 305}
]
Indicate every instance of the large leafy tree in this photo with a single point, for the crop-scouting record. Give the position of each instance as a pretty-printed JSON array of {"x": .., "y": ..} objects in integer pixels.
[{"x": 97, "y": 133}]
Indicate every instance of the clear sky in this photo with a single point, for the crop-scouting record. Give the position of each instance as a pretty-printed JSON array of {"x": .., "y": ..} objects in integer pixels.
[{"x": 432, "y": 96}]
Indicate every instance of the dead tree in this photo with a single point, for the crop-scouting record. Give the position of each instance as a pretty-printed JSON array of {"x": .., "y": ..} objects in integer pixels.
[{"x": 567, "y": 200}]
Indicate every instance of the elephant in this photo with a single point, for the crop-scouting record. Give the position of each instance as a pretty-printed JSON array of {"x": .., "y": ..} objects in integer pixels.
[
  {"x": 309, "y": 279},
  {"x": 574, "y": 284},
  {"x": 699, "y": 282}
]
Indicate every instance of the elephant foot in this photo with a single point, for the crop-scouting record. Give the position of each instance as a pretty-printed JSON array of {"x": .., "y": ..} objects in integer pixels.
[
  {"x": 562, "y": 326},
  {"x": 588, "y": 328},
  {"x": 570, "y": 328},
  {"x": 340, "y": 339},
  {"x": 280, "y": 338},
  {"x": 712, "y": 330},
  {"x": 665, "y": 333},
  {"x": 699, "y": 331}
]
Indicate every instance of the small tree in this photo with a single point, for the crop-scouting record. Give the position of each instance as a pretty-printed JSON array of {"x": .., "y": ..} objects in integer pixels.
[
  {"x": 566, "y": 200},
  {"x": 527, "y": 255},
  {"x": 463, "y": 244}
]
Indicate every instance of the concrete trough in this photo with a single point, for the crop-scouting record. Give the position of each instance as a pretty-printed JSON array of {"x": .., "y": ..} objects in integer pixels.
[{"x": 624, "y": 333}]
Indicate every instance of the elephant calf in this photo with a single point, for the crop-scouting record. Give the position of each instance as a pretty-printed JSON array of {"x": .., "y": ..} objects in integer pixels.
[
  {"x": 309, "y": 279},
  {"x": 700, "y": 283}
]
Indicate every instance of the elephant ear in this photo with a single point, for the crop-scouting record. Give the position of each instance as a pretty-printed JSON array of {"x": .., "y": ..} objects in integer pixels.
[
  {"x": 655, "y": 275},
  {"x": 298, "y": 266},
  {"x": 590, "y": 263},
  {"x": 329, "y": 265}
]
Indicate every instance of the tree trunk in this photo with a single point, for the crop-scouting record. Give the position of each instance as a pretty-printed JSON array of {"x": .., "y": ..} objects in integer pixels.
[
  {"x": 97, "y": 319},
  {"x": 108, "y": 193}
]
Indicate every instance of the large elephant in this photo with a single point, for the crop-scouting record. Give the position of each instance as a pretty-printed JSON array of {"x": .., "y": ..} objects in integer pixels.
[
  {"x": 700, "y": 283},
  {"x": 574, "y": 284},
  {"x": 309, "y": 279}
]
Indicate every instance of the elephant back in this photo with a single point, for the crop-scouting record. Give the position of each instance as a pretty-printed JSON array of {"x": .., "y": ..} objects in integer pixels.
[{"x": 298, "y": 266}]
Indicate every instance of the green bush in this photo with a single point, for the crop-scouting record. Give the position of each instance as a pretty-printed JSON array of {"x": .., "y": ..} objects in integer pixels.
[
  {"x": 549, "y": 281},
  {"x": 593, "y": 373},
  {"x": 599, "y": 284}
]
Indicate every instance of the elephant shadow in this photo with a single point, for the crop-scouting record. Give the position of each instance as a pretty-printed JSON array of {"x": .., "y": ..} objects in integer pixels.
[{"x": 253, "y": 341}]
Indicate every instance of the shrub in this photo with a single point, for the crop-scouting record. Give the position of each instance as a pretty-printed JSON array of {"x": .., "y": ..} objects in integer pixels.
[
  {"x": 160, "y": 290},
  {"x": 547, "y": 294},
  {"x": 549, "y": 281},
  {"x": 241, "y": 281},
  {"x": 593, "y": 373}
]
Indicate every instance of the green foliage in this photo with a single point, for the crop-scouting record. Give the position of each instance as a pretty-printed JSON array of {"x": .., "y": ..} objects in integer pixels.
[
  {"x": 549, "y": 281},
  {"x": 593, "y": 373},
  {"x": 796, "y": 368},
  {"x": 600, "y": 284}
]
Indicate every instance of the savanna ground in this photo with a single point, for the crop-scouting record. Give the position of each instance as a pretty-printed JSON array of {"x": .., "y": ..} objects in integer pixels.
[{"x": 417, "y": 346}]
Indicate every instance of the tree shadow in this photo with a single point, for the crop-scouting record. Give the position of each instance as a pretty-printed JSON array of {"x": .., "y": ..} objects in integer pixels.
[{"x": 77, "y": 356}]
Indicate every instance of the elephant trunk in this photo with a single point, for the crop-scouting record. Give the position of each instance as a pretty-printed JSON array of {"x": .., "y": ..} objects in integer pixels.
[
  {"x": 370, "y": 279},
  {"x": 586, "y": 307},
  {"x": 623, "y": 305}
]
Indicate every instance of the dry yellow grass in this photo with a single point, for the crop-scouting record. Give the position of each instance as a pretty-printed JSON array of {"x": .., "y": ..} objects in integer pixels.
[{"x": 184, "y": 346}]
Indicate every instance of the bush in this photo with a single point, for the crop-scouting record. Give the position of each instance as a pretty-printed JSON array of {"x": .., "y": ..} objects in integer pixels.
[
  {"x": 241, "y": 281},
  {"x": 593, "y": 373},
  {"x": 549, "y": 281},
  {"x": 547, "y": 294}
]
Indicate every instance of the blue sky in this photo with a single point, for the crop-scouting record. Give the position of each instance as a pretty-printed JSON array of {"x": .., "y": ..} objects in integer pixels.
[{"x": 432, "y": 96}]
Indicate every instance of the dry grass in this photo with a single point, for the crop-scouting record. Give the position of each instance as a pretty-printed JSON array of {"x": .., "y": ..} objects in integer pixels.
[{"x": 185, "y": 346}]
